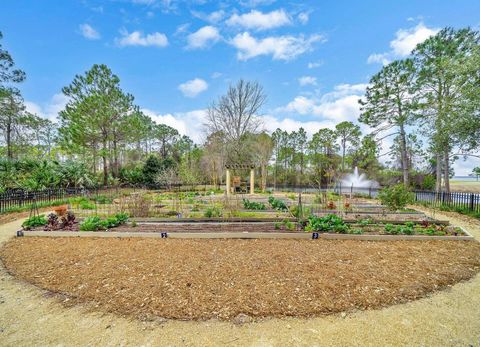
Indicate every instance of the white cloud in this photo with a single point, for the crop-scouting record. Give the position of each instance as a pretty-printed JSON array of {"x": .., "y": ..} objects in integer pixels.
[
  {"x": 303, "y": 17},
  {"x": 203, "y": 37},
  {"x": 382, "y": 58},
  {"x": 213, "y": 17},
  {"x": 50, "y": 109},
  {"x": 271, "y": 123},
  {"x": 279, "y": 47},
  {"x": 314, "y": 65},
  {"x": 407, "y": 39},
  {"x": 89, "y": 32},
  {"x": 184, "y": 122},
  {"x": 257, "y": 20},
  {"x": 307, "y": 80},
  {"x": 255, "y": 3},
  {"x": 193, "y": 87},
  {"x": 216, "y": 74},
  {"x": 403, "y": 44},
  {"x": 181, "y": 29},
  {"x": 137, "y": 38},
  {"x": 336, "y": 106}
]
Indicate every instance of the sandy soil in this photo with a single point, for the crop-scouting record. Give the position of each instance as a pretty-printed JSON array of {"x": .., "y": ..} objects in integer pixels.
[{"x": 29, "y": 316}]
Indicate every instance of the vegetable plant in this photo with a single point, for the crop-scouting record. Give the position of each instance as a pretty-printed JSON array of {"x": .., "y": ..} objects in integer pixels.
[
  {"x": 212, "y": 212},
  {"x": 253, "y": 205},
  {"x": 330, "y": 222},
  {"x": 34, "y": 221},
  {"x": 277, "y": 204}
]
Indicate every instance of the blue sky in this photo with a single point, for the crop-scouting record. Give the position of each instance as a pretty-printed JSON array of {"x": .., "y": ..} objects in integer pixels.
[{"x": 313, "y": 58}]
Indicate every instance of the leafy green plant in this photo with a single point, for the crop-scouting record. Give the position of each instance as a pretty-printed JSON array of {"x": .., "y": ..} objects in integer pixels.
[
  {"x": 253, "y": 205},
  {"x": 277, "y": 204},
  {"x": 96, "y": 223},
  {"x": 110, "y": 222},
  {"x": 277, "y": 226},
  {"x": 396, "y": 197},
  {"x": 365, "y": 222},
  {"x": 34, "y": 221},
  {"x": 389, "y": 228},
  {"x": 86, "y": 205},
  {"x": 357, "y": 231},
  {"x": 289, "y": 225},
  {"x": 330, "y": 222},
  {"x": 212, "y": 212},
  {"x": 121, "y": 217},
  {"x": 91, "y": 224}
]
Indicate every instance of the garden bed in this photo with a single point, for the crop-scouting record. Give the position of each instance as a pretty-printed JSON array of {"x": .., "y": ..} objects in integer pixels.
[{"x": 204, "y": 279}]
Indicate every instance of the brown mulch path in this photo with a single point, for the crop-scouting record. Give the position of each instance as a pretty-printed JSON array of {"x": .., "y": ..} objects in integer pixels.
[{"x": 201, "y": 279}]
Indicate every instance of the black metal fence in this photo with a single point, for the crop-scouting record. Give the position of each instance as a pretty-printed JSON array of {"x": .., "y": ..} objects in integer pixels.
[
  {"x": 18, "y": 199},
  {"x": 455, "y": 200}
]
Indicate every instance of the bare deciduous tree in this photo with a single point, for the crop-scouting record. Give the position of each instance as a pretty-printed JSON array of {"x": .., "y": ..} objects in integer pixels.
[{"x": 236, "y": 113}]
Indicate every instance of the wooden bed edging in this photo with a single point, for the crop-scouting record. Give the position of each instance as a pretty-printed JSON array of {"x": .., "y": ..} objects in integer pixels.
[
  {"x": 265, "y": 220},
  {"x": 246, "y": 235}
]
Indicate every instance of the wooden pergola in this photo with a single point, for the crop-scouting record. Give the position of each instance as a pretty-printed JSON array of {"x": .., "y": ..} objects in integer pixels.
[{"x": 251, "y": 167}]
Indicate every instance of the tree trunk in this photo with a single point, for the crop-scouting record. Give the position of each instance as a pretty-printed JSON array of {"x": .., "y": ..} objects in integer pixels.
[
  {"x": 447, "y": 170},
  {"x": 115, "y": 158},
  {"x": 438, "y": 173},
  {"x": 403, "y": 149},
  {"x": 343, "y": 156},
  {"x": 9, "y": 141},
  {"x": 105, "y": 164},
  {"x": 264, "y": 177}
]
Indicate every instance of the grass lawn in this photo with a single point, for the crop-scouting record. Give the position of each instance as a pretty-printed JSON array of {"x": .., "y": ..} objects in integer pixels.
[{"x": 465, "y": 186}]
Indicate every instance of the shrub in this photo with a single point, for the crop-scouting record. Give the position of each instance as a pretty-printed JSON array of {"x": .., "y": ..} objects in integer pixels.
[
  {"x": 330, "y": 222},
  {"x": 212, "y": 212},
  {"x": 277, "y": 204},
  {"x": 396, "y": 197},
  {"x": 34, "y": 221},
  {"x": 253, "y": 205}
]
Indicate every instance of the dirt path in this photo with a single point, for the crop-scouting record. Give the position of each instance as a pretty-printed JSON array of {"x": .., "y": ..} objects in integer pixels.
[{"x": 450, "y": 318}]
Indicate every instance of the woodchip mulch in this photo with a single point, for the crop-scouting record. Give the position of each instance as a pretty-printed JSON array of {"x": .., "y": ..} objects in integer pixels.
[{"x": 202, "y": 279}]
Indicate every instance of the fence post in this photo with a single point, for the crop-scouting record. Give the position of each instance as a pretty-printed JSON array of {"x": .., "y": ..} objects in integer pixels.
[{"x": 472, "y": 205}]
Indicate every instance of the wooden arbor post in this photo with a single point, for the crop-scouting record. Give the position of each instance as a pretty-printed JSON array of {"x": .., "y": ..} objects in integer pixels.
[
  {"x": 240, "y": 166},
  {"x": 229, "y": 189},
  {"x": 252, "y": 181}
]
